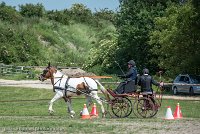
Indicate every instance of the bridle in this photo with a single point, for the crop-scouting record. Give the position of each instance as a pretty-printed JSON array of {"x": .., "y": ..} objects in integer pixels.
[{"x": 43, "y": 75}]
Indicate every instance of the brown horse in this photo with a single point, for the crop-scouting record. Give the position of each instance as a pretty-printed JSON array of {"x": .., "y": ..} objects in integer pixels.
[{"x": 66, "y": 87}]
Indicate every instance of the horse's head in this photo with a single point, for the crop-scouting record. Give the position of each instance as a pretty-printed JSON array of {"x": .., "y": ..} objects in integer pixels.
[{"x": 47, "y": 73}]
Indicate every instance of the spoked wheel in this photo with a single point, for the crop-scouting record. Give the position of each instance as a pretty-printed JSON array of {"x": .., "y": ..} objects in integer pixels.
[
  {"x": 156, "y": 107},
  {"x": 146, "y": 108},
  {"x": 135, "y": 108},
  {"x": 121, "y": 107}
]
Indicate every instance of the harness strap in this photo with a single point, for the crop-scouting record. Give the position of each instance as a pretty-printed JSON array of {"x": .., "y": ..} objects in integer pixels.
[
  {"x": 55, "y": 87},
  {"x": 89, "y": 86}
]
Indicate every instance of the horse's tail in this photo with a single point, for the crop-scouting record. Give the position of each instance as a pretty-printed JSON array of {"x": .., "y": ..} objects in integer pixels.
[{"x": 103, "y": 90}]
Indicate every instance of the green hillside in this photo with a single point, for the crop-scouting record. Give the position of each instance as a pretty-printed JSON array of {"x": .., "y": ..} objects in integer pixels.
[{"x": 37, "y": 40}]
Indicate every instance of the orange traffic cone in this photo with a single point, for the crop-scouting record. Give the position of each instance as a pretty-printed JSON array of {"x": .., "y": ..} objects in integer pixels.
[
  {"x": 169, "y": 115},
  {"x": 94, "y": 112},
  {"x": 177, "y": 112},
  {"x": 85, "y": 113}
]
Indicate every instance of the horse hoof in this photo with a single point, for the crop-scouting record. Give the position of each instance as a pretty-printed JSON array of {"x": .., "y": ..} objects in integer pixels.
[
  {"x": 104, "y": 115},
  {"x": 72, "y": 116},
  {"x": 72, "y": 112},
  {"x": 51, "y": 112}
]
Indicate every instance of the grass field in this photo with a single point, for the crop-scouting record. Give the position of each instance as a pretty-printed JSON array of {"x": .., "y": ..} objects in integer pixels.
[{"x": 25, "y": 110}]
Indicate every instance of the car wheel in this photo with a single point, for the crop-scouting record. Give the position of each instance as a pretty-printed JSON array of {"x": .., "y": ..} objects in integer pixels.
[
  {"x": 175, "y": 91},
  {"x": 191, "y": 91}
]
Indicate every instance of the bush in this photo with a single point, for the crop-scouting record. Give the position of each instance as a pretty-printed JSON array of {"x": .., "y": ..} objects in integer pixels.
[
  {"x": 31, "y": 10},
  {"x": 8, "y": 13}
]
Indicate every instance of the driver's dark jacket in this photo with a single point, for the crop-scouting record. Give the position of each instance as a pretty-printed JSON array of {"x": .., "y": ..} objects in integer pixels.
[
  {"x": 128, "y": 85},
  {"x": 146, "y": 81},
  {"x": 131, "y": 74}
]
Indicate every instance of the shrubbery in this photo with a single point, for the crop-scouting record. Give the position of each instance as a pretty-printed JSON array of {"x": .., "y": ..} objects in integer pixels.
[{"x": 39, "y": 36}]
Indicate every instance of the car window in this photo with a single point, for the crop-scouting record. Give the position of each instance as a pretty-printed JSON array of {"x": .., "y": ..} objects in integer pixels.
[
  {"x": 182, "y": 78},
  {"x": 195, "y": 79},
  {"x": 186, "y": 79},
  {"x": 177, "y": 79}
]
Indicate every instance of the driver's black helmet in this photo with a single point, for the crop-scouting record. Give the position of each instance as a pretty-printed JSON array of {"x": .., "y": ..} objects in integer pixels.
[
  {"x": 131, "y": 62},
  {"x": 145, "y": 71}
]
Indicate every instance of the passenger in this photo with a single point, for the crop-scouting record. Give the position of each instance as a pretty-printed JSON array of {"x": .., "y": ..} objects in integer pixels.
[
  {"x": 128, "y": 85},
  {"x": 145, "y": 82}
]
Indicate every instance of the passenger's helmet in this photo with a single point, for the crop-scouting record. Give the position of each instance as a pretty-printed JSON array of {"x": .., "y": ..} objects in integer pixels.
[
  {"x": 132, "y": 62},
  {"x": 145, "y": 71}
]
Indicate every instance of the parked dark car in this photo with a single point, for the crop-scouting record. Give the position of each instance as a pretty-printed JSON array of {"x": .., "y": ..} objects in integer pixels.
[{"x": 186, "y": 84}]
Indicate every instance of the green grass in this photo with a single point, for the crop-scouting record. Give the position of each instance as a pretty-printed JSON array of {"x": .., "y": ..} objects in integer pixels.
[{"x": 19, "y": 114}]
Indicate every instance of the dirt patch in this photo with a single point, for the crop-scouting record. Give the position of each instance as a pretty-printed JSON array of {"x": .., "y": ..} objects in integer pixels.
[{"x": 155, "y": 126}]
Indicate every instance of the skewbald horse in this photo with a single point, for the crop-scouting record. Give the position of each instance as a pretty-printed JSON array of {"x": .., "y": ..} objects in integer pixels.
[{"x": 66, "y": 87}]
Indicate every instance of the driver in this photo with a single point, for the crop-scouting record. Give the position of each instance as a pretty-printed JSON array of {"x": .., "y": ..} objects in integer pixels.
[{"x": 128, "y": 85}]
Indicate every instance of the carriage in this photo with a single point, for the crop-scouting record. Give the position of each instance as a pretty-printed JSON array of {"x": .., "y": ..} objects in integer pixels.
[
  {"x": 121, "y": 105},
  {"x": 141, "y": 104}
]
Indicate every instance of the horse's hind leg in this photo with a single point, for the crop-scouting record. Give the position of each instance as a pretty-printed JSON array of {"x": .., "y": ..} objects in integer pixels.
[
  {"x": 89, "y": 100},
  {"x": 57, "y": 96},
  {"x": 97, "y": 98}
]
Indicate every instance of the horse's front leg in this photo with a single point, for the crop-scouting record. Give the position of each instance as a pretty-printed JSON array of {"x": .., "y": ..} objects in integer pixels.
[
  {"x": 57, "y": 96},
  {"x": 69, "y": 106}
]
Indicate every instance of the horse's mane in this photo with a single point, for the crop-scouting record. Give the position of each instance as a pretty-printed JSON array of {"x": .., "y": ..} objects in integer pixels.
[{"x": 58, "y": 72}]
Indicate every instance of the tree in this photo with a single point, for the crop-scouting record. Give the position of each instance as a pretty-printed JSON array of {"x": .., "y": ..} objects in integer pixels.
[
  {"x": 80, "y": 13},
  {"x": 105, "y": 14},
  {"x": 31, "y": 10},
  {"x": 134, "y": 23},
  {"x": 8, "y": 13},
  {"x": 176, "y": 39}
]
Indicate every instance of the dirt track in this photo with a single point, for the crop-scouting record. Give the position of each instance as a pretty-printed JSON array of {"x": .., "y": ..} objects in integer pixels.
[
  {"x": 26, "y": 83},
  {"x": 47, "y": 85}
]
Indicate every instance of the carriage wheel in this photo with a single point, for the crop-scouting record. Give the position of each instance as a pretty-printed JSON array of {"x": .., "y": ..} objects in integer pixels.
[
  {"x": 135, "y": 108},
  {"x": 156, "y": 107},
  {"x": 121, "y": 107},
  {"x": 146, "y": 108}
]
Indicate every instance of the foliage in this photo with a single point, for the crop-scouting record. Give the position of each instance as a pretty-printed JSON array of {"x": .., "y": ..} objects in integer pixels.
[
  {"x": 18, "y": 45},
  {"x": 31, "y": 10},
  {"x": 134, "y": 23},
  {"x": 176, "y": 39},
  {"x": 105, "y": 14},
  {"x": 59, "y": 16},
  {"x": 80, "y": 13},
  {"x": 9, "y": 14},
  {"x": 101, "y": 56}
]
